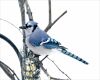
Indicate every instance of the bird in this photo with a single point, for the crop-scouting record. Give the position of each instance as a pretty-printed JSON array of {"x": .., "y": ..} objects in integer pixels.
[{"x": 41, "y": 43}]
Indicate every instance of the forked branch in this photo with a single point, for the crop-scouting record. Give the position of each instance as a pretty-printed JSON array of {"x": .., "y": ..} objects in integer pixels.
[
  {"x": 48, "y": 75},
  {"x": 50, "y": 25},
  {"x": 59, "y": 69}
]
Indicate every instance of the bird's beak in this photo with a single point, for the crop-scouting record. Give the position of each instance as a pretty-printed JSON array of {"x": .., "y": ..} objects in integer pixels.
[{"x": 22, "y": 27}]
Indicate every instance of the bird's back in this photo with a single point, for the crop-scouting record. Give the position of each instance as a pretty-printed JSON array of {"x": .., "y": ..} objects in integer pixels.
[{"x": 37, "y": 37}]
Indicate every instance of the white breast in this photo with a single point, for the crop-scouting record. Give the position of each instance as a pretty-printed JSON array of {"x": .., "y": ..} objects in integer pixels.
[{"x": 40, "y": 50}]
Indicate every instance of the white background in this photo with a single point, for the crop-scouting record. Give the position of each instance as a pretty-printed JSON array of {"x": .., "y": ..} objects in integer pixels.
[{"x": 78, "y": 30}]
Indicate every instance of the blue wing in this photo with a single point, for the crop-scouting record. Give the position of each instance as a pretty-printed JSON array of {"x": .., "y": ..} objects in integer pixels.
[
  {"x": 39, "y": 36},
  {"x": 51, "y": 44}
]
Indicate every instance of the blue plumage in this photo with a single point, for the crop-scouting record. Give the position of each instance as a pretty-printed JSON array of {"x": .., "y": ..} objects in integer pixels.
[
  {"x": 51, "y": 44},
  {"x": 38, "y": 38},
  {"x": 35, "y": 39},
  {"x": 64, "y": 50}
]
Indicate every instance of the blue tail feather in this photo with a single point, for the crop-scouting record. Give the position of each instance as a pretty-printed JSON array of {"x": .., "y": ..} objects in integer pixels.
[{"x": 63, "y": 50}]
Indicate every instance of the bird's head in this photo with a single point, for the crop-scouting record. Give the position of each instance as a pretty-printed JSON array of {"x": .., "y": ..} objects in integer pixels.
[{"x": 29, "y": 27}]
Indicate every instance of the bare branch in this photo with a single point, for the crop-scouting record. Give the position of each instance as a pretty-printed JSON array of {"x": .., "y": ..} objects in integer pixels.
[
  {"x": 59, "y": 68},
  {"x": 45, "y": 71},
  {"x": 29, "y": 12},
  {"x": 50, "y": 16},
  {"x": 11, "y": 24},
  {"x": 22, "y": 10},
  {"x": 44, "y": 58},
  {"x": 49, "y": 26},
  {"x": 8, "y": 71},
  {"x": 52, "y": 78}
]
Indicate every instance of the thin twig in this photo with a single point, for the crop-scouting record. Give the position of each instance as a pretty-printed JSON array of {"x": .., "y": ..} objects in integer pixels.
[
  {"x": 44, "y": 58},
  {"x": 11, "y": 24},
  {"x": 45, "y": 71},
  {"x": 52, "y": 78},
  {"x": 48, "y": 75},
  {"x": 49, "y": 26},
  {"x": 59, "y": 68}
]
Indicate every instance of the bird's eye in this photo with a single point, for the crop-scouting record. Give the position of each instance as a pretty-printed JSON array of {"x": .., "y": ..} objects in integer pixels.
[{"x": 29, "y": 26}]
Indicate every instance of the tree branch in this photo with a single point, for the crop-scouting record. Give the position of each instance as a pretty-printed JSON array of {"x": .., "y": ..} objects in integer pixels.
[
  {"x": 22, "y": 10},
  {"x": 45, "y": 71},
  {"x": 50, "y": 25},
  {"x": 29, "y": 12},
  {"x": 44, "y": 58},
  {"x": 8, "y": 71},
  {"x": 50, "y": 16},
  {"x": 50, "y": 77},
  {"x": 59, "y": 68}
]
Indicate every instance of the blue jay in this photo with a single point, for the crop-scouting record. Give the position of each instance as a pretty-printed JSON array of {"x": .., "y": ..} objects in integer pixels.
[{"x": 41, "y": 43}]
